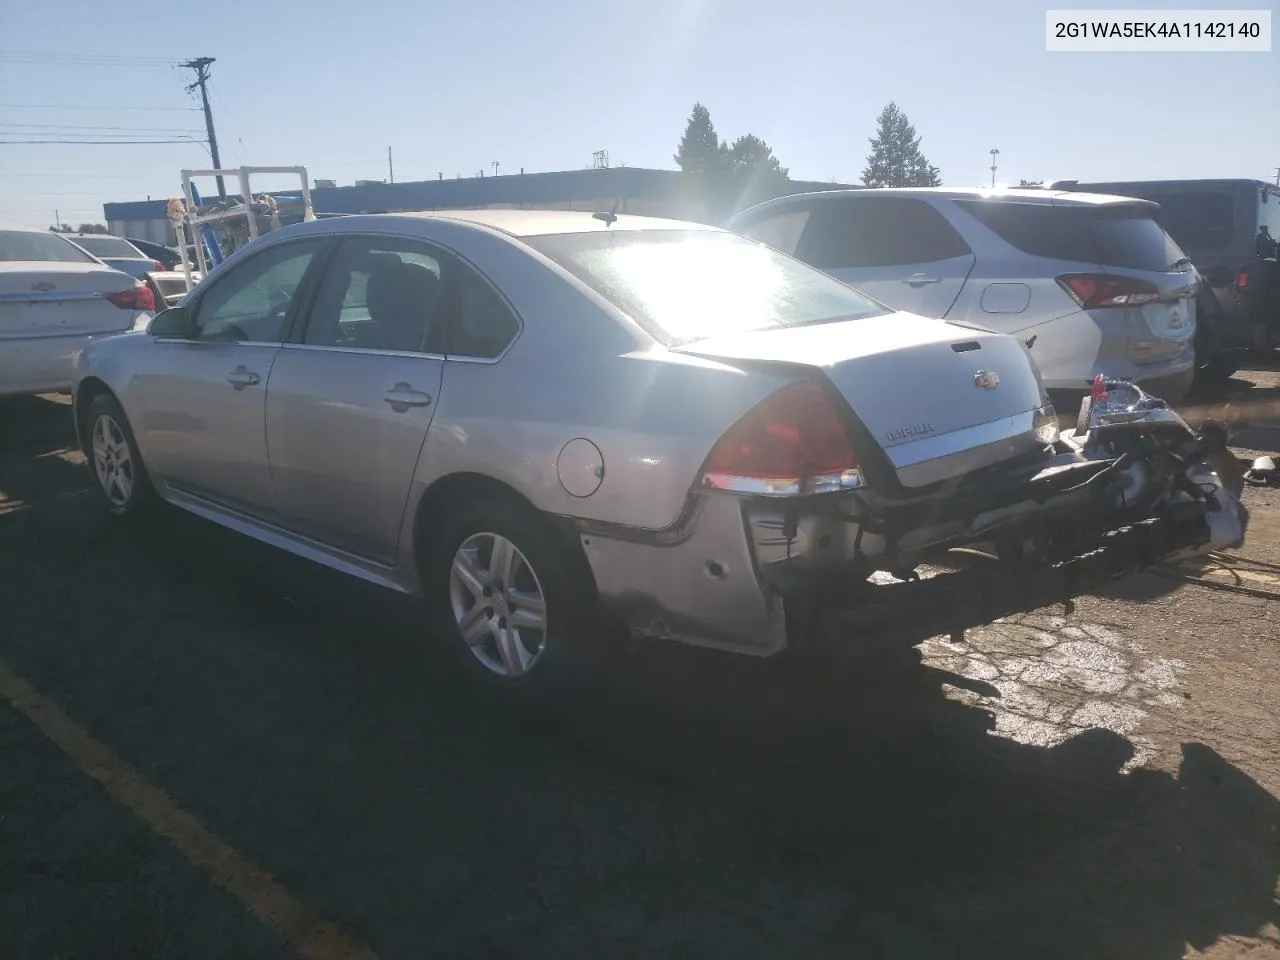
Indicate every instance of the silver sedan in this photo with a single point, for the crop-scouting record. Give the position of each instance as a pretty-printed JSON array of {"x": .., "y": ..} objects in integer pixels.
[{"x": 531, "y": 418}]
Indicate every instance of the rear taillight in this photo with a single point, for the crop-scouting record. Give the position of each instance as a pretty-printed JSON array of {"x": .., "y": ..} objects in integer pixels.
[
  {"x": 139, "y": 298},
  {"x": 1242, "y": 281},
  {"x": 1094, "y": 290},
  {"x": 158, "y": 265},
  {"x": 790, "y": 443}
]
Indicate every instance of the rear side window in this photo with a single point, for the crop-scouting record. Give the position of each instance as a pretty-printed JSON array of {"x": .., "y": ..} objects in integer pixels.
[
  {"x": 110, "y": 247},
  {"x": 48, "y": 247},
  {"x": 877, "y": 232},
  {"x": 1110, "y": 236}
]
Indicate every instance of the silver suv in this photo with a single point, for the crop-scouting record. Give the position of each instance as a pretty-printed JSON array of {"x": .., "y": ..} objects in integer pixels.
[{"x": 1090, "y": 282}]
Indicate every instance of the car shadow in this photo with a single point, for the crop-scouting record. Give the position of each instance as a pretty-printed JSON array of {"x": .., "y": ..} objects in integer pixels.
[
  {"x": 668, "y": 803},
  {"x": 38, "y": 454}
]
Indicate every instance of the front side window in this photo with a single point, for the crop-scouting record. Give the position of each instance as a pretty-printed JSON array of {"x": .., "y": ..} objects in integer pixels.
[
  {"x": 1269, "y": 214},
  {"x": 852, "y": 232},
  {"x": 687, "y": 285},
  {"x": 28, "y": 245},
  {"x": 378, "y": 294},
  {"x": 252, "y": 301}
]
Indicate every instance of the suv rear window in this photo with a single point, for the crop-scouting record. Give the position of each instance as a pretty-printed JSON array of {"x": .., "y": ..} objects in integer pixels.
[
  {"x": 47, "y": 247},
  {"x": 686, "y": 285},
  {"x": 110, "y": 247},
  {"x": 1115, "y": 235}
]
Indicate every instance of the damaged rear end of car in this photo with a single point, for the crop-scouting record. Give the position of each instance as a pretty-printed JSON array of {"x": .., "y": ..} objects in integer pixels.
[
  {"x": 871, "y": 520},
  {"x": 858, "y": 553}
]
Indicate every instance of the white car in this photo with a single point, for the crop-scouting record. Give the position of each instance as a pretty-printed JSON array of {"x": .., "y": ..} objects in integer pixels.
[
  {"x": 1091, "y": 283},
  {"x": 54, "y": 299}
]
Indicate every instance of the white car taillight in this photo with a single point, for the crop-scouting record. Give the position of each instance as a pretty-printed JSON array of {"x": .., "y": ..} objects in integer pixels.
[
  {"x": 789, "y": 444},
  {"x": 139, "y": 298}
]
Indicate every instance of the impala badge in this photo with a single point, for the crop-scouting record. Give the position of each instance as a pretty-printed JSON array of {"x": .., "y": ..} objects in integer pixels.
[
  {"x": 42, "y": 286},
  {"x": 986, "y": 379}
]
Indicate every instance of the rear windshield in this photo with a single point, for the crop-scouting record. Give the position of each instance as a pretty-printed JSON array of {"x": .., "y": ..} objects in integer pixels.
[
  {"x": 31, "y": 245},
  {"x": 683, "y": 285},
  {"x": 171, "y": 286},
  {"x": 110, "y": 247},
  {"x": 1115, "y": 235}
]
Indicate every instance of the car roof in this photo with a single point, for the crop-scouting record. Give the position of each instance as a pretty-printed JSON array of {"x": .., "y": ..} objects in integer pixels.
[
  {"x": 1021, "y": 195},
  {"x": 21, "y": 228},
  {"x": 535, "y": 223}
]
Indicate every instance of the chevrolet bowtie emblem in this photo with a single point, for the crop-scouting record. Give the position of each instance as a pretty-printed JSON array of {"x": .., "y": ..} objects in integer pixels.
[{"x": 986, "y": 379}]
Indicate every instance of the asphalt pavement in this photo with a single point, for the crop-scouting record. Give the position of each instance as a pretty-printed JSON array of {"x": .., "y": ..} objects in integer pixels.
[{"x": 211, "y": 749}]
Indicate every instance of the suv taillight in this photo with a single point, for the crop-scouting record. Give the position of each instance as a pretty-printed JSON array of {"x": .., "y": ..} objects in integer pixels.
[
  {"x": 139, "y": 298},
  {"x": 1094, "y": 290},
  {"x": 790, "y": 443},
  {"x": 1242, "y": 281}
]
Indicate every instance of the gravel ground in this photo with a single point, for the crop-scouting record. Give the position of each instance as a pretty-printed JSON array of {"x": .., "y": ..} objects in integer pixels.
[{"x": 1099, "y": 785}]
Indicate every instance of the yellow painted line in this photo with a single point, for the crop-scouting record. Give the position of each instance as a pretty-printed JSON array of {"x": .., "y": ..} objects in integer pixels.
[{"x": 303, "y": 929}]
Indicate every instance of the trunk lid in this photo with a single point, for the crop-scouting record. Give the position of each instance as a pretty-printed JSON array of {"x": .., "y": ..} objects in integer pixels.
[
  {"x": 941, "y": 399},
  {"x": 43, "y": 298}
]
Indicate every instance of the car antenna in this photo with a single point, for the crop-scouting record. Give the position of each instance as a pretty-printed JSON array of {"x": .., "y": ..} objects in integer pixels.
[{"x": 610, "y": 218}]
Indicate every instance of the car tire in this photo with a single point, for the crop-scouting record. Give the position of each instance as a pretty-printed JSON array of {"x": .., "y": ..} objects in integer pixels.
[
  {"x": 1217, "y": 370},
  {"x": 506, "y": 597},
  {"x": 120, "y": 477}
]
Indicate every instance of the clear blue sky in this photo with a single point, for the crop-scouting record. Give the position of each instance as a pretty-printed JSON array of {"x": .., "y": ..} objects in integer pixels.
[{"x": 540, "y": 84}]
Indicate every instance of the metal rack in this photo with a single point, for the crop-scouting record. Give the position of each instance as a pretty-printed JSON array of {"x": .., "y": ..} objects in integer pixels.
[{"x": 192, "y": 227}]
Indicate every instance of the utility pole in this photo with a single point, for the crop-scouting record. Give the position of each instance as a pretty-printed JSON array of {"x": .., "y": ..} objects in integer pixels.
[
  {"x": 994, "y": 154},
  {"x": 495, "y": 168},
  {"x": 391, "y": 171},
  {"x": 1278, "y": 176},
  {"x": 201, "y": 66}
]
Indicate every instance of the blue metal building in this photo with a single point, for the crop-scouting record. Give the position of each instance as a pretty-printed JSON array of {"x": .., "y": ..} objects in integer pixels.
[{"x": 663, "y": 193}]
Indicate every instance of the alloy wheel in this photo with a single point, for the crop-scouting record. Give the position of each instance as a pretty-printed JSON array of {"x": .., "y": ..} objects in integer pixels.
[
  {"x": 112, "y": 462},
  {"x": 498, "y": 604}
]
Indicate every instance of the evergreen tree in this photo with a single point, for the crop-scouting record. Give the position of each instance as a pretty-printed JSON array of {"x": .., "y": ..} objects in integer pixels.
[
  {"x": 701, "y": 150},
  {"x": 895, "y": 159},
  {"x": 755, "y": 174}
]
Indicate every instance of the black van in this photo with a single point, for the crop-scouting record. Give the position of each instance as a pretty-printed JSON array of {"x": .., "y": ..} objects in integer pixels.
[{"x": 1229, "y": 229}]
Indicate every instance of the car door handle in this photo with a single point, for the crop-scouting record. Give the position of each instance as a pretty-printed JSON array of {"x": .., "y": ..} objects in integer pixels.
[
  {"x": 241, "y": 378},
  {"x": 921, "y": 280},
  {"x": 404, "y": 396}
]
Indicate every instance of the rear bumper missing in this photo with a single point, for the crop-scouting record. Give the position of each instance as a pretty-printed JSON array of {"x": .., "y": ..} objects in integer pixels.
[{"x": 909, "y": 612}]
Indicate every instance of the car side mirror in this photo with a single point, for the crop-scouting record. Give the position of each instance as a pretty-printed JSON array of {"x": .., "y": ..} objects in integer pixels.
[{"x": 176, "y": 322}]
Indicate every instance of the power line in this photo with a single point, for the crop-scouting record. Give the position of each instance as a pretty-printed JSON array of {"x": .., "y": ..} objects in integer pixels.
[
  {"x": 94, "y": 106},
  {"x": 87, "y": 59},
  {"x": 188, "y": 140},
  {"x": 97, "y": 127}
]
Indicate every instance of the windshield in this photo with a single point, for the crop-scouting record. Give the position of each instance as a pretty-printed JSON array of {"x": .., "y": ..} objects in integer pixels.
[
  {"x": 110, "y": 247},
  {"x": 683, "y": 286},
  {"x": 31, "y": 245}
]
